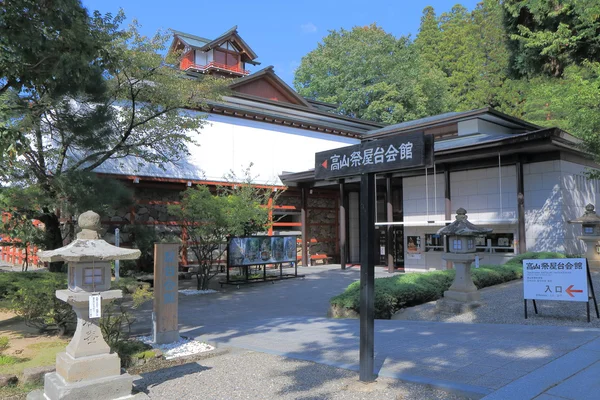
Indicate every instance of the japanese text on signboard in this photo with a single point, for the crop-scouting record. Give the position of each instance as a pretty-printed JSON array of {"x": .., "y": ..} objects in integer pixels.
[
  {"x": 376, "y": 156},
  {"x": 170, "y": 282},
  {"x": 555, "y": 279}
]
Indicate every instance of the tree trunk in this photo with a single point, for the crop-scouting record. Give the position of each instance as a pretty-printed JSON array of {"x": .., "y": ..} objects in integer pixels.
[
  {"x": 53, "y": 237},
  {"x": 202, "y": 280}
]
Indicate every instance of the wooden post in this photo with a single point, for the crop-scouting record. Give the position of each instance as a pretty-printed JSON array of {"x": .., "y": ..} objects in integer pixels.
[
  {"x": 164, "y": 315},
  {"x": 389, "y": 243},
  {"x": 448, "y": 204},
  {"x": 343, "y": 250},
  {"x": 270, "y": 217},
  {"x": 521, "y": 208},
  {"x": 367, "y": 277},
  {"x": 303, "y": 217}
]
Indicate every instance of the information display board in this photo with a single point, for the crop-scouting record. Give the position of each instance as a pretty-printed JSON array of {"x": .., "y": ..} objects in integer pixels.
[
  {"x": 257, "y": 250},
  {"x": 562, "y": 279}
]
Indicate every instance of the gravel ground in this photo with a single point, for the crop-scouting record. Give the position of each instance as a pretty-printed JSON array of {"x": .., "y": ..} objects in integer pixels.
[
  {"x": 503, "y": 304},
  {"x": 244, "y": 374}
]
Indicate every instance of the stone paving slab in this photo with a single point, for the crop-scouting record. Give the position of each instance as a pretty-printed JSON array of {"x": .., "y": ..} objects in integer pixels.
[
  {"x": 572, "y": 376},
  {"x": 473, "y": 359}
]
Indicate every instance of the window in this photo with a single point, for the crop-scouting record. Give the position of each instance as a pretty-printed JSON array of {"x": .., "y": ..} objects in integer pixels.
[
  {"x": 222, "y": 57},
  {"x": 93, "y": 276},
  {"x": 434, "y": 242},
  {"x": 495, "y": 243},
  {"x": 457, "y": 244},
  {"x": 588, "y": 230},
  {"x": 470, "y": 244}
]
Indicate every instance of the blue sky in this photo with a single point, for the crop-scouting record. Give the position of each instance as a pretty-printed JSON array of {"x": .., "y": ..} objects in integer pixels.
[{"x": 281, "y": 32}]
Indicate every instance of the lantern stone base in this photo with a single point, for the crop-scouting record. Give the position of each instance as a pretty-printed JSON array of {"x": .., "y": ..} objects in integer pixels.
[
  {"x": 108, "y": 388},
  {"x": 93, "y": 367},
  {"x": 462, "y": 296}
]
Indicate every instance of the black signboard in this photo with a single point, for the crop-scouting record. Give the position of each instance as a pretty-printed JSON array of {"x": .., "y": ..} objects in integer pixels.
[{"x": 389, "y": 154}]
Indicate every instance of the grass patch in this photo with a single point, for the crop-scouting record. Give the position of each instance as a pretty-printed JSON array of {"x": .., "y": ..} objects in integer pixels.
[
  {"x": 36, "y": 355},
  {"x": 8, "y": 360},
  {"x": 401, "y": 291}
]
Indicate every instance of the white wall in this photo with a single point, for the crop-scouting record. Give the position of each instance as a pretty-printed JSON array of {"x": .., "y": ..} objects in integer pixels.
[
  {"x": 485, "y": 193},
  {"x": 477, "y": 125},
  {"x": 477, "y": 190},
  {"x": 201, "y": 57},
  {"x": 420, "y": 201},
  {"x": 234, "y": 143},
  {"x": 229, "y": 143},
  {"x": 578, "y": 192},
  {"x": 544, "y": 219},
  {"x": 422, "y": 204}
]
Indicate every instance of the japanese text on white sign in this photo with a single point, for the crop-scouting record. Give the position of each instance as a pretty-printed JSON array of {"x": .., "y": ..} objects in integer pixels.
[
  {"x": 555, "y": 279},
  {"x": 95, "y": 306}
]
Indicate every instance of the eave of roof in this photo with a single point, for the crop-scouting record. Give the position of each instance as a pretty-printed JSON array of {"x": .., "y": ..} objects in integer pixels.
[
  {"x": 190, "y": 39},
  {"x": 552, "y": 136},
  {"x": 331, "y": 106},
  {"x": 232, "y": 33},
  {"x": 436, "y": 120},
  {"x": 364, "y": 124},
  {"x": 285, "y": 119}
]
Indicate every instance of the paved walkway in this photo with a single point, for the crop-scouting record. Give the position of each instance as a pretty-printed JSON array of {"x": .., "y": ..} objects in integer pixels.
[
  {"x": 471, "y": 359},
  {"x": 502, "y": 361}
]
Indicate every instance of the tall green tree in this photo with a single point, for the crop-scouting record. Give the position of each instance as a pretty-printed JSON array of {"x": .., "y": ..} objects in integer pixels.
[
  {"x": 470, "y": 49},
  {"x": 549, "y": 35},
  {"x": 125, "y": 99},
  {"x": 429, "y": 38},
  {"x": 371, "y": 75},
  {"x": 555, "y": 49}
]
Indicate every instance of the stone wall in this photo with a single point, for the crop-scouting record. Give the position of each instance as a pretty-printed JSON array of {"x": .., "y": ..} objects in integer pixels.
[
  {"x": 323, "y": 225},
  {"x": 143, "y": 213}
]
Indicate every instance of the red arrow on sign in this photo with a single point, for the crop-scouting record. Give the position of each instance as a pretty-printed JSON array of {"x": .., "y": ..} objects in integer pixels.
[
  {"x": 570, "y": 291},
  {"x": 324, "y": 164}
]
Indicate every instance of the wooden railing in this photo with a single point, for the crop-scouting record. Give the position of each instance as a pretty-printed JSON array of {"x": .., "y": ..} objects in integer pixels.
[
  {"x": 188, "y": 64},
  {"x": 16, "y": 255}
]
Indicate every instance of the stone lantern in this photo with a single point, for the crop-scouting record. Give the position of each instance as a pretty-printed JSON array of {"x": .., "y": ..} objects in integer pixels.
[
  {"x": 462, "y": 294},
  {"x": 87, "y": 369},
  {"x": 590, "y": 234}
]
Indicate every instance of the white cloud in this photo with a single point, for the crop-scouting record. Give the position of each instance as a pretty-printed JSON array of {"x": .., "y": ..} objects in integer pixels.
[{"x": 309, "y": 27}]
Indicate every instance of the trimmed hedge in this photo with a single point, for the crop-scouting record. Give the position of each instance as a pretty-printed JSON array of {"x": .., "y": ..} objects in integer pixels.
[{"x": 407, "y": 290}]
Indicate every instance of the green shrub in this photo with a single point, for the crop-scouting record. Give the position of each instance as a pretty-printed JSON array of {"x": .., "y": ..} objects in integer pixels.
[
  {"x": 407, "y": 290},
  {"x": 129, "y": 350},
  {"x": 128, "y": 285},
  {"x": 10, "y": 282},
  {"x": 32, "y": 295}
]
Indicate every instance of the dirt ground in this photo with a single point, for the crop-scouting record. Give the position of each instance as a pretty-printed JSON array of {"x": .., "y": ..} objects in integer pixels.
[{"x": 27, "y": 344}]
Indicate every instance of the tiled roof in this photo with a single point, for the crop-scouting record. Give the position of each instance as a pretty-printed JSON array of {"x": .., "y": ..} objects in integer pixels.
[
  {"x": 451, "y": 117},
  {"x": 191, "y": 40}
]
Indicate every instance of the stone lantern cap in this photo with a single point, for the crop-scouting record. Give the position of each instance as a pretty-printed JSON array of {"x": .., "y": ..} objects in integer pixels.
[
  {"x": 588, "y": 218},
  {"x": 88, "y": 246},
  {"x": 462, "y": 227}
]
